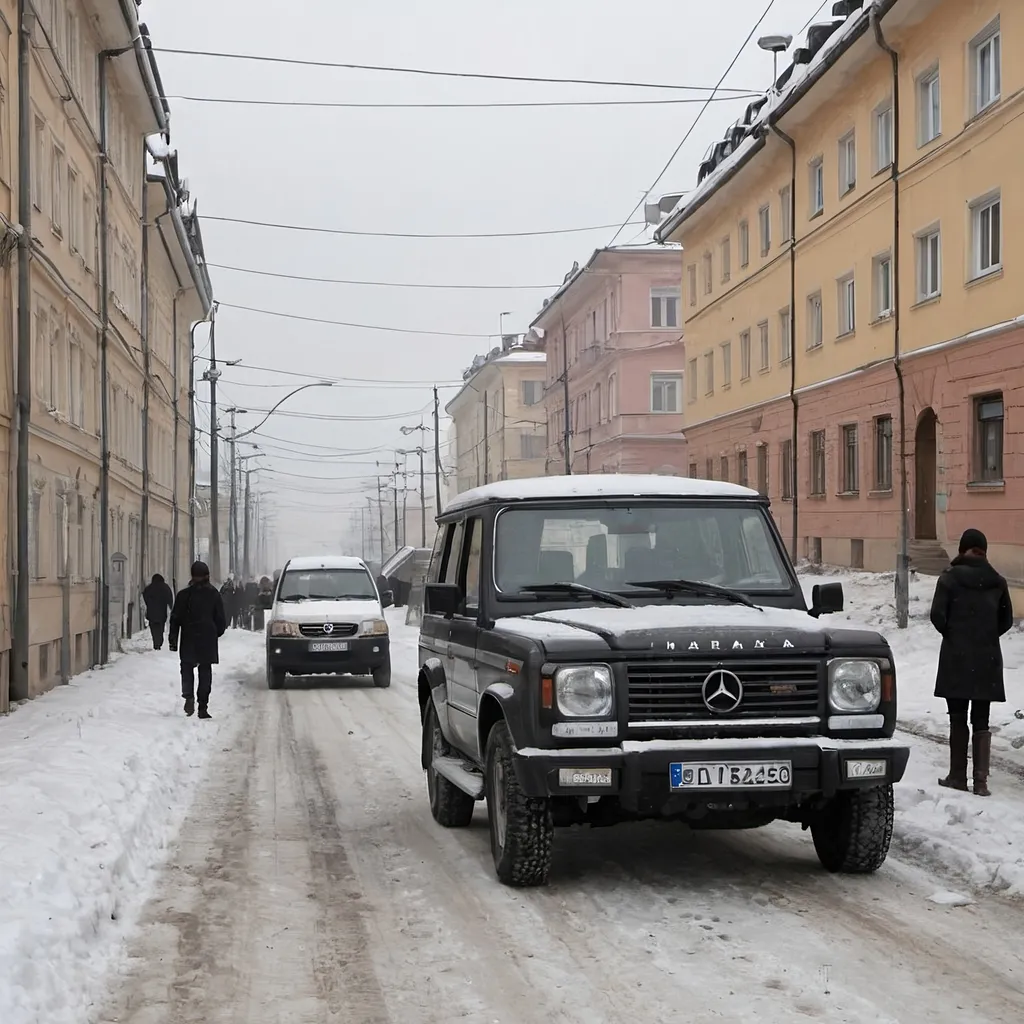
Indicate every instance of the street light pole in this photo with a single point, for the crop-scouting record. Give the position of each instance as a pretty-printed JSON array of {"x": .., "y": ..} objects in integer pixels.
[
  {"x": 211, "y": 375},
  {"x": 437, "y": 454}
]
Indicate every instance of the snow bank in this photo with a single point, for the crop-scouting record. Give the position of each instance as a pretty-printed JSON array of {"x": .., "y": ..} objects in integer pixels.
[{"x": 97, "y": 778}]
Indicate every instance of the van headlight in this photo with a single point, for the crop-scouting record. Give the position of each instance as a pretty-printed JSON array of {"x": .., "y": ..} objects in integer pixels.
[
  {"x": 854, "y": 686},
  {"x": 281, "y": 627},
  {"x": 373, "y": 627},
  {"x": 584, "y": 691}
]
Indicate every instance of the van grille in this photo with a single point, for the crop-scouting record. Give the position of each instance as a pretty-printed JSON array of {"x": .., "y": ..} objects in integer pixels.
[{"x": 339, "y": 629}]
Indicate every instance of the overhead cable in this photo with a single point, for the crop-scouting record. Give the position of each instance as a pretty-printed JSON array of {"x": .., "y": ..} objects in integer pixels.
[
  {"x": 331, "y": 105},
  {"x": 384, "y": 284}
]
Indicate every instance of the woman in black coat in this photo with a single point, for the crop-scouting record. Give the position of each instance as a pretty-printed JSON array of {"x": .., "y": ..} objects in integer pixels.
[
  {"x": 198, "y": 620},
  {"x": 971, "y": 610}
]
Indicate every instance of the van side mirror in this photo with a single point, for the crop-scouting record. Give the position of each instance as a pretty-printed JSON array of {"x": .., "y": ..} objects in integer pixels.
[
  {"x": 387, "y": 598},
  {"x": 441, "y": 599},
  {"x": 826, "y": 599}
]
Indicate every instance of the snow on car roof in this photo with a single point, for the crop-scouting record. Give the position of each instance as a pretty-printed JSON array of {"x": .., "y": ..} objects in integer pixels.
[
  {"x": 325, "y": 562},
  {"x": 599, "y": 485}
]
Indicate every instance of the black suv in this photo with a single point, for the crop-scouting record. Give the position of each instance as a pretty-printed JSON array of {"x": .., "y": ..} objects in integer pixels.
[{"x": 598, "y": 649}]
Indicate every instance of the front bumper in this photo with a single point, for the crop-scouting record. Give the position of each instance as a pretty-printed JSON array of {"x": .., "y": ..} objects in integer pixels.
[
  {"x": 640, "y": 769},
  {"x": 292, "y": 654}
]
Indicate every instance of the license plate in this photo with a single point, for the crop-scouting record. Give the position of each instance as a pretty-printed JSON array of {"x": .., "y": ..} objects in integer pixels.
[
  {"x": 584, "y": 776},
  {"x": 741, "y": 775},
  {"x": 327, "y": 646}
]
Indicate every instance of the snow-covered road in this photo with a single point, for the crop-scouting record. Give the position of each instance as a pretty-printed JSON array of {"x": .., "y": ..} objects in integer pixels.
[{"x": 311, "y": 885}]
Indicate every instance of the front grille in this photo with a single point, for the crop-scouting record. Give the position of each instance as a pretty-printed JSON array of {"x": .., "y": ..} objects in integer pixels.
[
  {"x": 341, "y": 629},
  {"x": 672, "y": 691}
]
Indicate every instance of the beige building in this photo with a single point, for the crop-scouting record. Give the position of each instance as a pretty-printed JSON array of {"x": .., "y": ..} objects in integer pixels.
[
  {"x": 115, "y": 282},
  {"x": 853, "y": 313},
  {"x": 498, "y": 416}
]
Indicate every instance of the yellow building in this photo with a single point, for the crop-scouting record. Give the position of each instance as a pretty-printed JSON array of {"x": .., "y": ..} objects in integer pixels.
[{"x": 852, "y": 314}]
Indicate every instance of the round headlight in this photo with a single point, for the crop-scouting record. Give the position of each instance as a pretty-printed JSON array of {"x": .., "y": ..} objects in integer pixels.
[
  {"x": 584, "y": 691},
  {"x": 855, "y": 686}
]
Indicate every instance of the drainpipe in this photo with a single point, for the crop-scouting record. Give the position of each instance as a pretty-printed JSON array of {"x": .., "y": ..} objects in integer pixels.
[
  {"x": 903, "y": 558},
  {"x": 794, "y": 540},
  {"x": 146, "y": 367},
  {"x": 19, "y": 674}
]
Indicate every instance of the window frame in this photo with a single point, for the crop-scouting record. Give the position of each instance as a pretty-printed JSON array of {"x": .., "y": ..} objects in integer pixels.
[
  {"x": 709, "y": 372},
  {"x": 693, "y": 380},
  {"x": 708, "y": 271},
  {"x": 691, "y": 283},
  {"x": 978, "y": 208},
  {"x": 659, "y": 380},
  {"x": 989, "y": 37},
  {"x": 786, "y": 468},
  {"x": 786, "y": 212},
  {"x": 668, "y": 299},
  {"x": 745, "y": 355},
  {"x": 850, "y": 439},
  {"x": 761, "y": 466},
  {"x": 924, "y": 263},
  {"x": 785, "y": 335},
  {"x": 981, "y": 473},
  {"x": 743, "y": 468},
  {"x": 743, "y": 238},
  {"x": 882, "y": 434},
  {"x": 816, "y": 186},
  {"x": 725, "y": 255},
  {"x": 815, "y": 321},
  {"x": 883, "y": 118},
  {"x": 726, "y": 350},
  {"x": 764, "y": 346},
  {"x": 818, "y": 466},
  {"x": 848, "y": 163},
  {"x": 846, "y": 296},
  {"x": 764, "y": 226},
  {"x": 882, "y": 310},
  {"x": 929, "y": 105}
]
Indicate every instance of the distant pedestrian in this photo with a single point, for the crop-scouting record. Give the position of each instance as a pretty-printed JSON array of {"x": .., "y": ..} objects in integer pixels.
[
  {"x": 250, "y": 597},
  {"x": 159, "y": 600},
  {"x": 971, "y": 610},
  {"x": 229, "y": 595},
  {"x": 198, "y": 618}
]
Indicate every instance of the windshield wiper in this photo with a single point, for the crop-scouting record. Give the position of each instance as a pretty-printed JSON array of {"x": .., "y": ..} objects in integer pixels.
[
  {"x": 698, "y": 589},
  {"x": 581, "y": 590},
  {"x": 294, "y": 597}
]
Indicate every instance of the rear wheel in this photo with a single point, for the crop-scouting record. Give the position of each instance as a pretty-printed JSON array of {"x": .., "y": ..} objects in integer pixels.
[
  {"x": 275, "y": 677},
  {"x": 449, "y": 806},
  {"x": 852, "y": 834}
]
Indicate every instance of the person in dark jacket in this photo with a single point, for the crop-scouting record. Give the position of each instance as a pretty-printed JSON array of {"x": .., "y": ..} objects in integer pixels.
[
  {"x": 159, "y": 599},
  {"x": 971, "y": 610},
  {"x": 198, "y": 619},
  {"x": 229, "y": 595},
  {"x": 250, "y": 596}
]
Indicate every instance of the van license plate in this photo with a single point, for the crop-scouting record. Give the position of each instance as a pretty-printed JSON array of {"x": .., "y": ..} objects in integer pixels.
[
  {"x": 328, "y": 646},
  {"x": 738, "y": 775}
]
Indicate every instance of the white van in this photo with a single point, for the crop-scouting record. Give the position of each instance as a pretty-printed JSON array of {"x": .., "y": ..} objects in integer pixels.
[{"x": 327, "y": 618}]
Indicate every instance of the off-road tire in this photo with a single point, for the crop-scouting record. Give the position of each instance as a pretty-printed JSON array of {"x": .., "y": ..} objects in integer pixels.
[
  {"x": 449, "y": 806},
  {"x": 275, "y": 677},
  {"x": 852, "y": 834},
  {"x": 523, "y": 857},
  {"x": 382, "y": 676}
]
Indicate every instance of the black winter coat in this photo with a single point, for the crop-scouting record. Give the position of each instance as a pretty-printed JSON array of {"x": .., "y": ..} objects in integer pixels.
[
  {"x": 159, "y": 600},
  {"x": 971, "y": 610},
  {"x": 198, "y": 615}
]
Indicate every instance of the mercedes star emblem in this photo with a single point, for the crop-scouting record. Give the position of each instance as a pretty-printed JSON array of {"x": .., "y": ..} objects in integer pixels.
[
  {"x": 722, "y": 691},
  {"x": 328, "y": 627}
]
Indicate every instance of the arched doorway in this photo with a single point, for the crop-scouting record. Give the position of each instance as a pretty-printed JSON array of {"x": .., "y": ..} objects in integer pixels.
[{"x": 925, "y": 477}]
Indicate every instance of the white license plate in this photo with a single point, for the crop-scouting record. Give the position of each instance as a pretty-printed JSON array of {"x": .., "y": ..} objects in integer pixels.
[
  {"x": 735, "y": 775},
  {"x": 584, "y": 776},
  {"x": 327, "y": 646}
]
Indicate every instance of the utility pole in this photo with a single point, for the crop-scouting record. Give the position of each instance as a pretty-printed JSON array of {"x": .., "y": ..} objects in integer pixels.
[
  {"x": 567, "y": 433},
  {"x": 380, "y": 513},
  {"x": 245, "y": 547},
  {"x": 437, "y": 454},
  {"x": 233, "y": 498},
  {"x": 395, "y": 492},
  {"x": 211, "y": 375},
  {"x": 423, "y": 503},
  {"x": 486, "y": 447}
]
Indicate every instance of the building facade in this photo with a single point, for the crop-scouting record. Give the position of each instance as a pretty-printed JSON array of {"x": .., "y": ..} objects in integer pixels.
[
  {"x": 498, "y": 416},
  {"x": 116, "y": 280},
  {"x": 614, "y": 339},
  {"x": 850, "y": 295}
]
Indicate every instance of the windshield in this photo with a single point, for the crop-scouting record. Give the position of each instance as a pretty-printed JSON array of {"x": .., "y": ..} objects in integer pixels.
[
  {"x": 609, "y": 546},
  {"x": 327, "y": 585}
]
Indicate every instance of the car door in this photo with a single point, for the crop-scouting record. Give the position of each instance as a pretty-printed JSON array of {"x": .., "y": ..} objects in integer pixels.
[
  {"x": 436, "y": 630},
  {"x": 462, "y": 687}
]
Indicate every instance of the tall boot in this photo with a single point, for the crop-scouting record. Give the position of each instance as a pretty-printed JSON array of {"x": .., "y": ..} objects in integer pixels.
[
  {"x": 982, "y": 759},
  {"x": 959, "y": 734}
]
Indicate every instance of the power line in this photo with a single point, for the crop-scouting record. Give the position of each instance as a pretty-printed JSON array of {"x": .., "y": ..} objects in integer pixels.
[
  {"x": 430, "y": 72},
  {"x": 401, "y": 234},
  {"x": 696, "y": 121},
  {"x": 355, "y": 387},
  {"x": 334, "y": 380},
  {"x": 328, "y": 416}
]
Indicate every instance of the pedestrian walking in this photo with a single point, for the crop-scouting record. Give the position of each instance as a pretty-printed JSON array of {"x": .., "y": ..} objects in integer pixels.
[
  {"x": 230, "y": 598},
  {"x": 159, "y": 599},
  {"x": 199, "y": 621},
  {"x": 971, "y": 610}
]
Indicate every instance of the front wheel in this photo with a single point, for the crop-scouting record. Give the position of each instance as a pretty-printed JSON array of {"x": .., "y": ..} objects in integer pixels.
[
  {"x": 522, "y": 830},
  {"x": 449, "y": 806},
  {"x": 853, "y": 832},
  {"x": 275, "y": 677},
  {"x": 382, "y": 676}
]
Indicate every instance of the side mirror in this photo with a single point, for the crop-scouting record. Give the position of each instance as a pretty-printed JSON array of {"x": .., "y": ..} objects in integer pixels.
[
  {"x": 266, "y": 601},
  {"x": 441, "y": 599},
  {"x": 826, "y": 599},
  {"x": 387, "y": 598}
]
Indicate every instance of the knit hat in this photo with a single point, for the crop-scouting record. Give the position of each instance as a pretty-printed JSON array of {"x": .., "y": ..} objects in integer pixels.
[
  {"x": 200, "y": 571},
  {"x": 973, "y": 539}
]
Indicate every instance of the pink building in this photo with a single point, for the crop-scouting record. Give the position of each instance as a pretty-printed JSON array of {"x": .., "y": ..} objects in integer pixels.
[{"x": 613, "y": 333}]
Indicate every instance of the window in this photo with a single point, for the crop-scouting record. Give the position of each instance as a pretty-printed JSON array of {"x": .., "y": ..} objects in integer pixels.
[
  {"x": 786, "y": 467},
  {"x": 847, "y": 163},
  {"x": 693, "y": 470},
  {"x": 598, "y": 405},
  {"x": 818, "y": 462},
  {"x": 786, "y": 212},
  {"x": 744, "y": 240},
  {"x": 929, "y": 102},
  {"x": 986, "y": 67},
  {"x": 709, "y": 469},
  {"x": 745, "y": 355},
  {"x": 847, "y": 295},
  {"x": 38, "y": 163},
  {"x": 762, "y": 330},
  {"x": 60, "y": 536},
  {"x": 708, "y": 269},
  {"x": 882, "y": 274},
  {"x": 59, "y": 196},
  {"x": 762, "y": 469},
  {"x": 785, "y": 336},
  {"x": 764, "y": 218},
  {"x": 929, "y": 265},
  {"x": 89, "y": 230},
  {"x": 709, "y": 373},
  {"x": 883, "y": 453},
  {"x": 986, "y": 232},
  {"x": 723, "y": 468},
  {"x": 533, "y": 392},
  {"x": 988, "y": 427},
  {"x": 666, "y": 392},
  {"x": 691, "y": 283},
  {"x": 74, "y": 213},
  {"x": 691, "y": 373},
  {"x": 726, "y": 259},
  {"x": 472, "y": 583},
  {"x": 531, "y": 446},
  {"x": 814, "y": 323},
  {"x": 742, "y": 470},
  {"x": 883, "y": 136},
  {"x": 726, "y": 364},
  {"x": 851, "y": 475},
  {"x": 34, "y": 560},
  {"x": 817, "y": 186},
  {"x": 613, "y": 396},
  {"x": 450, "y": 559},
  {"x": 664, "y": 307}
]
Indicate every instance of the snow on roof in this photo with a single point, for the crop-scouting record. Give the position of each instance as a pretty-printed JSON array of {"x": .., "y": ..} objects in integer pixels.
[
  {"x": 599, "y": 485},
  {"x": 325, "y": 562},
  {"x": 158, "y": 147},
  {"x": 522, "y": 355}
]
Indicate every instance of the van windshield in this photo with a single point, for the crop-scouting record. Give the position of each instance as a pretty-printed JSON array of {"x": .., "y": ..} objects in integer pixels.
[
  {"x": 327, "y": 585},
  {"x": 609, "y": 546}
]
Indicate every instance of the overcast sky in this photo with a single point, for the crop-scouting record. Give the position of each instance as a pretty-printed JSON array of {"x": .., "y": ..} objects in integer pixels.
[{"x": 428, "y": 171}]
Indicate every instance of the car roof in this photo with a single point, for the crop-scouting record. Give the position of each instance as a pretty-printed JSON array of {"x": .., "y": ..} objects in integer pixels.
[
  {"x": 603, "y": 485},
  {"x": 326, "y": 562}
]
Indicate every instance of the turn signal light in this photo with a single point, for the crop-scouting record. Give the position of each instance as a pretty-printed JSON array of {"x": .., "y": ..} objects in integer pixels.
[
  {"x": 888, "y": 687},
  {"x": 547, "y": 692}
]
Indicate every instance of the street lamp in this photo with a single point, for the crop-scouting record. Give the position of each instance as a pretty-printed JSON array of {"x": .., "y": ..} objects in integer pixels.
[
  {"x": 423, "y": 495},
  {"x": 775, "y": 45},
  {"x": 291, "y": 394}
]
